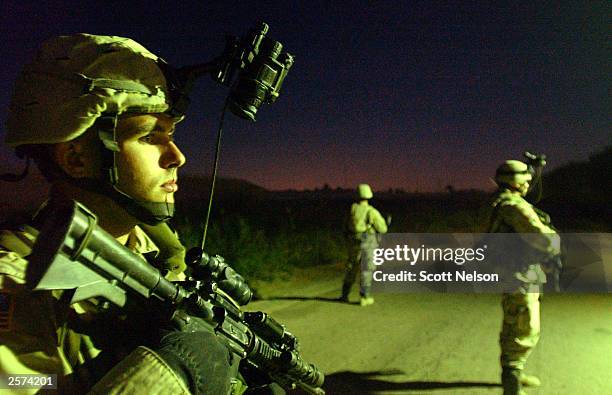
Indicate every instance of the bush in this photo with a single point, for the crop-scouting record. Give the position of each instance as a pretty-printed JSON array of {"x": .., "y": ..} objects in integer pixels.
[{"x": 255, "y": 253}]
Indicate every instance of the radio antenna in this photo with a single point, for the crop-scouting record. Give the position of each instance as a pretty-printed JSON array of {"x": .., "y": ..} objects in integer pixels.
[{"x": 214, "y": 175}]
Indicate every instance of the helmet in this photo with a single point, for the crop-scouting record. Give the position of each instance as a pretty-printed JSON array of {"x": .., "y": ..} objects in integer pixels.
[
  {"x": 75, "y": 79},
  {"x": 512, "y": 172},
  {"x": 365, "y": 192}
]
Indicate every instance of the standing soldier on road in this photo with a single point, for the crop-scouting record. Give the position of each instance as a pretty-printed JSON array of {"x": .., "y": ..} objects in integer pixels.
[
  {"x": 363, "y": 227},
  {"x": 521, "y": 308},
  {"x": 92, "y": 111}
]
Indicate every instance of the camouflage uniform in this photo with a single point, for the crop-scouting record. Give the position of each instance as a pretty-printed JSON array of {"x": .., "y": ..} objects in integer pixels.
[
  {"x": 521, "y": 322},
  {"x": 365, "y": 223},
  {"x": 38, "y": 335}
]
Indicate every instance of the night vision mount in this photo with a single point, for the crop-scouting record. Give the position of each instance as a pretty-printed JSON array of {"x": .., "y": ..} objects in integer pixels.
[
  {"x": 254, "y": 67},
  {"x": 535, "y": 163}
]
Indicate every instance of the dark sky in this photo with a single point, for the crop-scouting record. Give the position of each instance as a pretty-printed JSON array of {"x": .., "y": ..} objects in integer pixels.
[{"x": 415, "y": 95}]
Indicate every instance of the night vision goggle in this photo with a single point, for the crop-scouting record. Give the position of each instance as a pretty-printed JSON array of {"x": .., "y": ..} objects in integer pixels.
[
  {"x": 254, "y": 67},
  {"x": 534, "y": 161}
]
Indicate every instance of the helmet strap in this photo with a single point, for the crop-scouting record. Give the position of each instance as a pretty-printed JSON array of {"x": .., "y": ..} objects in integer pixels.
[{"x": 107, "y": 133}]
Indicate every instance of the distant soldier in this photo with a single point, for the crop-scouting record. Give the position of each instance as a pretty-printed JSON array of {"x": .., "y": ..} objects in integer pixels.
[
  {"x": 362, "y": 228},
  {"x": 521, "y": 323}
]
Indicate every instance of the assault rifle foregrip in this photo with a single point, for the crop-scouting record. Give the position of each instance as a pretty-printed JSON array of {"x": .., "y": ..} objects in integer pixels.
[{"x": 72, "y": 252}]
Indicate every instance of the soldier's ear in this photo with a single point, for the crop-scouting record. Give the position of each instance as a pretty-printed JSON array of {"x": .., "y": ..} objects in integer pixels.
[{"x": 69, "y": 156}]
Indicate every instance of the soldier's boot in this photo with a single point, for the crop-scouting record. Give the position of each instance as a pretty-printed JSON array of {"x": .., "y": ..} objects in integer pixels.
[
  {"x": 366, "y": 300},
  {"x": 530, "y": 381},
  {"x": 511, "y": 381}
]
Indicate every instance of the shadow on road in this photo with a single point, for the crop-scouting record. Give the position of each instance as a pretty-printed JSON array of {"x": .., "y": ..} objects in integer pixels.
[{"x": 366, "y": 384}]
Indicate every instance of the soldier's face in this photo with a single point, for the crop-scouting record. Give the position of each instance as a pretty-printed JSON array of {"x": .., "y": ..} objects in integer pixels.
[{"x": 148, "y": 159}]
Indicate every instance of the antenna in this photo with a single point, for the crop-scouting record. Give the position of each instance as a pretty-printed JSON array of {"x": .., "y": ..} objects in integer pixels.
[{"x": 214, "y": 176}]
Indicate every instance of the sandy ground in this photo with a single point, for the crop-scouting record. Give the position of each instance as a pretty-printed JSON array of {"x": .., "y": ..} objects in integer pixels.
[{"x": 436, "y": 343}]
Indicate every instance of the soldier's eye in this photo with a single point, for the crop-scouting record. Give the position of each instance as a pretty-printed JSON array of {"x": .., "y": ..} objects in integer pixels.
[{"x": 147, "y": 139}]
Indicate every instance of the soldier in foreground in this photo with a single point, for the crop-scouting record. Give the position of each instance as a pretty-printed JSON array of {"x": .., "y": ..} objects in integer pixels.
[
  {"x": 94, "y": 113},
  {"x": 521, "y": 308},
  {"x": 363, "y": 226}
]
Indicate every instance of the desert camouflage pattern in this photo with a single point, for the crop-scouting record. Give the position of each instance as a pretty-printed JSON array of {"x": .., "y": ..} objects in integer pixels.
[
  {"x": 521, "y": 322},
  {"x": 35, "y": 337},
  {"x": 75, "y": 79},
  {"x": 520, "y": 328}
]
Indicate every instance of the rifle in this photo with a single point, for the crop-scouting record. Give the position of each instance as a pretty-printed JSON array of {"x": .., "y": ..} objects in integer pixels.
[{"x": 73, "y": 253}]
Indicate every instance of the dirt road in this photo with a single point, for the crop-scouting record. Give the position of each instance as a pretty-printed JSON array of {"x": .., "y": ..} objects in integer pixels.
[{"x": 437, "y": 343}]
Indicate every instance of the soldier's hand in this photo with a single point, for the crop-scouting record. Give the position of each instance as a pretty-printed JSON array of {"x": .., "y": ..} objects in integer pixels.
[{"x": 205, "y": 365}]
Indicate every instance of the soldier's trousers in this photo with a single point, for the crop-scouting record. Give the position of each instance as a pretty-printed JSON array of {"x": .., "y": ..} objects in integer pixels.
[
  {"x": 361, "y": 260},
  {"x": 520, "y": 329}
]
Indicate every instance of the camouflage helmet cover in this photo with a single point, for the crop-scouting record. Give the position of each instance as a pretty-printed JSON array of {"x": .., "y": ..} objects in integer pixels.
[
  {"x": 513, "y": 172},
  {"x": 75, "y": 79}
]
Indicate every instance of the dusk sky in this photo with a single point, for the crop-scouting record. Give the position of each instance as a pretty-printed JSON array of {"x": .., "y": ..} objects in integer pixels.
[{"x": 412, "y": 95}]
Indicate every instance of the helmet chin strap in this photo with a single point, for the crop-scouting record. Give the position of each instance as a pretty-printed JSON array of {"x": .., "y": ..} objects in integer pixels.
[{"x": 150, "y": 213}]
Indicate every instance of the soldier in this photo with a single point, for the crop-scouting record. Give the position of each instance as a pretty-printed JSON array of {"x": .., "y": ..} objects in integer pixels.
[
  {"x": 93, "y": 113},
  {"x": 364, "y": 225},
  {"x": 521, "y": 308}
]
